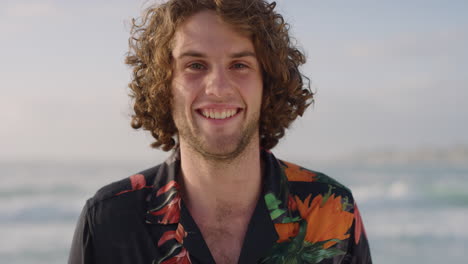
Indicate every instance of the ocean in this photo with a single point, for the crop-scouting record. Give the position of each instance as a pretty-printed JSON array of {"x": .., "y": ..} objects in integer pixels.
[{"x": 413, "y": 213}]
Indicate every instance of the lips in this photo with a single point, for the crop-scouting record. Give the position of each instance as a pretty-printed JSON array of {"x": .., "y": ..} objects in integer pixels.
[{"x": 216, "y": 113}]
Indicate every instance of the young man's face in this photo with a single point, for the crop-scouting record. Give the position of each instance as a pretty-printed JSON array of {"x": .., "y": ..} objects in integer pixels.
[{"x": 217, "y": 87}]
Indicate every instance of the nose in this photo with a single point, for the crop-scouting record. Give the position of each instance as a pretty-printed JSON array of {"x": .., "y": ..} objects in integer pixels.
[{"x": 219, "y": 84}]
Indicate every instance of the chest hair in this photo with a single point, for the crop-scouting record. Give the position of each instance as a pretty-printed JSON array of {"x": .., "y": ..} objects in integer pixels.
[{"x": 225, "y": 234}]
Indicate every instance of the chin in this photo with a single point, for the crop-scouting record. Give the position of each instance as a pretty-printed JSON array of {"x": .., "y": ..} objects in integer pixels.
[
  {"x": 220, "y": 155},
  {"x": 223, "y": 149},
  {"x": 217, "y": 146}
]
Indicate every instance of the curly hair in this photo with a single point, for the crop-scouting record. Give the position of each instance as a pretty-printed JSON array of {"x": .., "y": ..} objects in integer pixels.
[{"x": 286, "y": 92}]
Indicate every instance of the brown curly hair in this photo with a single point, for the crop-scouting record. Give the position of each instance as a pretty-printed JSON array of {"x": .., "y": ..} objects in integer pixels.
[{"x": 285, "y": 94}]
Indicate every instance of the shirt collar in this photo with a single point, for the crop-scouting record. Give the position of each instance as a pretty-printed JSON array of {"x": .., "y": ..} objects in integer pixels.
[
  {"x": 164, "y": 202},
  {"x": 276, "y": 191}
]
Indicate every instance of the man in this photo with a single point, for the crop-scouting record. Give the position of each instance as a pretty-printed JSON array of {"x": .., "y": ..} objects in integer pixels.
[{"x": 217, "y": 82}]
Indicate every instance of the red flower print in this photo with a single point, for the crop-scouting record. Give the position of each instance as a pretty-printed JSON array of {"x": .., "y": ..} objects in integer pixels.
[
  {"x": 138, "y": 182},
  {"x": 292, "y": 205},
  {"x": 181, "y": 258},
  {"x": 171, "y": 211},
  {"x": 358, "y": 226},
  {"x": 170, "y": 208},
  {"x": 178, "y": 235},
  {"x": 168, "y": 235},
  {"x": 167, "y": 187}
]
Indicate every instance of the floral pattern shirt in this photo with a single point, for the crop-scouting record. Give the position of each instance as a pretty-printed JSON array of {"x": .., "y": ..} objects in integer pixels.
[{"x": 303, "y": 216}]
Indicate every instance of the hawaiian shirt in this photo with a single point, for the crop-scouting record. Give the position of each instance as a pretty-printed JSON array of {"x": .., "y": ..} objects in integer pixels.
[{"x": 302, "y": 216}]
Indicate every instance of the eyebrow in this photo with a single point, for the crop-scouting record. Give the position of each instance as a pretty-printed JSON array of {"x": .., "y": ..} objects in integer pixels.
[{"x": 202, "y": 55}]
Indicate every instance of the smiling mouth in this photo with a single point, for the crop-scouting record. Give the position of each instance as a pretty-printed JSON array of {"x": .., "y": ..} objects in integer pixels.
[{"x": 219, "y": 114}]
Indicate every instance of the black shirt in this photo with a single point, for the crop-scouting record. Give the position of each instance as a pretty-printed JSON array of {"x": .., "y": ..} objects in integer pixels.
[{"x": 303, "y": 216}]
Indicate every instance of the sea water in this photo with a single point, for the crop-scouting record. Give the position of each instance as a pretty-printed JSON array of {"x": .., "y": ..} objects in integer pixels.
[{"x": 413, "y": 213}]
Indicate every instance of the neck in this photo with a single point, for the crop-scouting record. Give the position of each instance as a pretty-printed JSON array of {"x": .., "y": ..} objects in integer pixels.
[{"x": 209, "y": 185}]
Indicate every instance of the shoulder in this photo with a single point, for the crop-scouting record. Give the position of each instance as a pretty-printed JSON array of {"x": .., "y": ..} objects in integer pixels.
[
  {"x": 304, "y": 181},
  {"x": 115, "y": 215},
  {"x": 127, "y": 189}
]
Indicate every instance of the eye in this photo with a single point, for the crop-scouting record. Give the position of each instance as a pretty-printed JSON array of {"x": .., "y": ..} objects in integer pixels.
[
  {"x": 239, "y": 66},
  {"x": 196, "y": 66}
]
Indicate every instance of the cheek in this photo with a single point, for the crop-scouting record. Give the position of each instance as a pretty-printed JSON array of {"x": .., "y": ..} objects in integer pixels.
[
  {"x": 252, "y": 90},
  {"x": 183, "y": 95},
  {"x": 177, "y": 97}
]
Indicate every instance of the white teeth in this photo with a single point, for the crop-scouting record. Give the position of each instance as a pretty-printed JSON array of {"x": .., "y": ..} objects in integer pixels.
[{"x": 223, "y": 114}]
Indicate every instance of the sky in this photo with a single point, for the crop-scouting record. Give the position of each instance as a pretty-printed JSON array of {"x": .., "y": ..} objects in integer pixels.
[{"x": 387, "y": 74}]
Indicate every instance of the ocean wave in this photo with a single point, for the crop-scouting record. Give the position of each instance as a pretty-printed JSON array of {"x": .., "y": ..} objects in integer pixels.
[
  {"x": 40, "y": 214},
  {"x": 37, "y": 237},
  {"x": 416, "y": 222},
  {"x": 438, "y": 194}
]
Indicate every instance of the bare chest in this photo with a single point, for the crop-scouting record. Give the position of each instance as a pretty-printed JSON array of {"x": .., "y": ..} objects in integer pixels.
[
  {"x": 224, "y": 239},
  {"x": 223, "y": 229}
]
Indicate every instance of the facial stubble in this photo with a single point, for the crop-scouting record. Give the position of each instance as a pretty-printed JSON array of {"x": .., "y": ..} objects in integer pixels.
[{"x": 224, "y": 150}]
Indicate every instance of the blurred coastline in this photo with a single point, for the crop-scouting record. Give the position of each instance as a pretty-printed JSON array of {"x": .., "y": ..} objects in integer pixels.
[
  {"x": 456, "y": 155},
  {"x": 413, "y": 202}
]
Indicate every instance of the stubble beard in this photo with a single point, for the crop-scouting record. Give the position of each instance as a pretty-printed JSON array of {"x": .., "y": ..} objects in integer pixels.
[{"x": 222, "y": 149}]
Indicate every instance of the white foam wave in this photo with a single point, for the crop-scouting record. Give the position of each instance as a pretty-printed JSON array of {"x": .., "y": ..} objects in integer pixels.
[{"x": 396, "y": 190}]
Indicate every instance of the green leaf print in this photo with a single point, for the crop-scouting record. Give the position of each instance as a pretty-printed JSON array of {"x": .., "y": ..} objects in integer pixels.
[{"x": 272, "y": 204}]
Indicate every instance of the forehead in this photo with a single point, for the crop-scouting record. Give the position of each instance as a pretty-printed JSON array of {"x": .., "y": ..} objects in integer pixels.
[{"x": 207, "y": 32}]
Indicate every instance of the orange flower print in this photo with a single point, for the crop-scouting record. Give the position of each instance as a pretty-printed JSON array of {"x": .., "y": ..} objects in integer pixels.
[
  {"x": 304, "y": 208},
  {"x": 295, "y": 173},
  {"x": 292, "y": 205},
  {"x": 286, "y": 231},
  {"x": 325, "y": 219}
]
